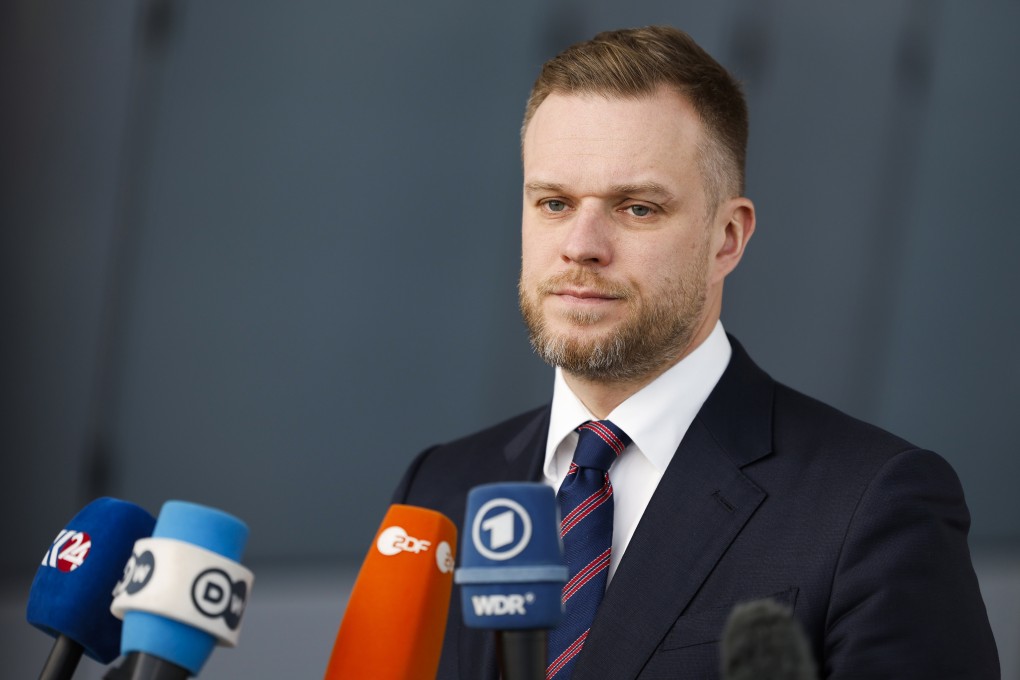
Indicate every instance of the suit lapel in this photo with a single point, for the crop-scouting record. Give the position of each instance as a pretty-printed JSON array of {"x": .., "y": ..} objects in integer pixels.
[
  {"x": 700, "y": 506},
  {"x": 525, "y": 453}
]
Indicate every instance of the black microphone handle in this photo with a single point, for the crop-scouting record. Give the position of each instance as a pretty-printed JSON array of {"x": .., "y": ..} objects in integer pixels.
[
  {"x": 522, "y": 654},
  {"x": 63, "y": 659},
  {"x": 142, "y": 666}
]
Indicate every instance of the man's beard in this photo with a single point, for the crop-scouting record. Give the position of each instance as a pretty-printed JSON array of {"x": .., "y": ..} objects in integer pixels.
[{"x": 656, "y": 333}]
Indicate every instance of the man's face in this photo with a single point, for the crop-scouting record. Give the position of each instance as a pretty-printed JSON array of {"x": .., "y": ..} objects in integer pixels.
[{"x": 616, "y": 246}]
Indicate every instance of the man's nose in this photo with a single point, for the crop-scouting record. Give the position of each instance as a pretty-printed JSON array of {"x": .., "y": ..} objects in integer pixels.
[{"x": 588, "y": 241}]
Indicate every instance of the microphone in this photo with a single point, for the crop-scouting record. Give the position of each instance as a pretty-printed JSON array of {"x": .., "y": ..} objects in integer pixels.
[
  {"x": 395, "y": 619},
  {"x": 512, "y": 572},
  {"x": 762, "y": 641},
  {"x": 182, "y": 592},
  {"x": 70, "y": 596}
]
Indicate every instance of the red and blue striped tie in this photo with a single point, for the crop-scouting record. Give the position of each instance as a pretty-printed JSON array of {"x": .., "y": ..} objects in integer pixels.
[{"x": 586, "y": 503}]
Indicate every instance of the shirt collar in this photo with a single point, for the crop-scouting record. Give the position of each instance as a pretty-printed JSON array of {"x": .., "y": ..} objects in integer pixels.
[{"x": 656, "y": 417}]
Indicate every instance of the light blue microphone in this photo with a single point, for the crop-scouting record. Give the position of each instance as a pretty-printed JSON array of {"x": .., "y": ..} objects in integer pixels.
[{"x": 183, "y": 591}]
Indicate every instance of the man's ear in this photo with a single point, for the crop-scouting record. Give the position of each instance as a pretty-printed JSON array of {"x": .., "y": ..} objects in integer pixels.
[{"x": 732, "y": 229}]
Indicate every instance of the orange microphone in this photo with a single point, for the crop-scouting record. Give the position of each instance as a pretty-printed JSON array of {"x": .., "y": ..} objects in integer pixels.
[{"x": 396, "y": 617}]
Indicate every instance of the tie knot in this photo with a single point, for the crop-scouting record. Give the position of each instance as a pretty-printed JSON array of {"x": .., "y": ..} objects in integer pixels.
[{"x": 599, "y": 443}]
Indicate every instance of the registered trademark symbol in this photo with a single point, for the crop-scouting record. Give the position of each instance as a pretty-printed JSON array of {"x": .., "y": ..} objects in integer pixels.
[{"x": 529, "y": 598}]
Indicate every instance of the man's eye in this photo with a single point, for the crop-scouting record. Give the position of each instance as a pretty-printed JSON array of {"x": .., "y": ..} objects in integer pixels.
[
  {"x": 639, "y": 210},
  {"x": 555, "y": 206}
]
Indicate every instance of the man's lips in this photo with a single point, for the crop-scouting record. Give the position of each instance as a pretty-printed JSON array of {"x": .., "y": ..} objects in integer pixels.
[{"x": 583, "y": 294}]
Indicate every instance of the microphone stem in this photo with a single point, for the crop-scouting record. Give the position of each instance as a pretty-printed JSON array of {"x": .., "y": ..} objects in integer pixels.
[
  {"x": 522, "y": 654},
  {"x": 153, "y": 668},
  {"x": 142, "y": 666},
  {"x": 64, "y": 658}
]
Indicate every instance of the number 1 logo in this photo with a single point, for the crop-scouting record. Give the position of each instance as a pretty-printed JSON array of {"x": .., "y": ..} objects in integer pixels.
[
  {"x": 498, "y": 517},
  {"x": 500, "y": 528}
]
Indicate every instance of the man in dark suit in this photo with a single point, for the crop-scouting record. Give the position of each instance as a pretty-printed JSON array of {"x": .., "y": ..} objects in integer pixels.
[{"x": 730, "y": 487}]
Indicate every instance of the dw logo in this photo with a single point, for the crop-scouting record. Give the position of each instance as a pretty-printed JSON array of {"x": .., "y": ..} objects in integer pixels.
[
  {"x": 214, "y": 595},
  {"x": 137, "y": 573},
  {"x": 507, "y": 528}
]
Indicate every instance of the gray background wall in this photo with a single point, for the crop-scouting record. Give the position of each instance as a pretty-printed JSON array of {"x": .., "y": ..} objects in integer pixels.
[{"x": 233, "y": 234}]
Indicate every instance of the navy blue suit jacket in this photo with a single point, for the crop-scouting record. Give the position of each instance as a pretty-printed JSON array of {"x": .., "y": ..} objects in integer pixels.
[{"x": 770, "y": 493}]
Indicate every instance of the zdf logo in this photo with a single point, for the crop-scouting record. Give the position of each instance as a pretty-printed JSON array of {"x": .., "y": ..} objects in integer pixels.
[
  {"x": 506, "y": 526},
  {"x": 394, "y": 540},
  {"x": 68, "y": 551},
  {"x": 444, "y": 557},
  {"x": 215, "y": 595}
]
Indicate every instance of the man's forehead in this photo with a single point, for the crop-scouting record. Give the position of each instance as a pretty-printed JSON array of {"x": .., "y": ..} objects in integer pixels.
[
  {"x": 595, "y": 120},
  {"x": 666, "y": 101},
  {"x": 613, "y": 140}
]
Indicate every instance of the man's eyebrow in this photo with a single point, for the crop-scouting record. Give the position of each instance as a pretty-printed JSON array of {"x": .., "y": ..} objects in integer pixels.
[
  {"x": 659, "y": 191},
  {"x": 643, "y": 189},
  {"x": 543, "y": 187}
]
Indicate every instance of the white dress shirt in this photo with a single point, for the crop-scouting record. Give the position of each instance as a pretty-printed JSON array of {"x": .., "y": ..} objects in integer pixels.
[{"x": 656, "y": 418}]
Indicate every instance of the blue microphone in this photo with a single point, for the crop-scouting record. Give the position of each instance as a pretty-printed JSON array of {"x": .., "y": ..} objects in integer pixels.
[
  {"x": 182, "y": 593},
  {"x": 512, "y": 572},
  {"x": 71, "y": 594}
]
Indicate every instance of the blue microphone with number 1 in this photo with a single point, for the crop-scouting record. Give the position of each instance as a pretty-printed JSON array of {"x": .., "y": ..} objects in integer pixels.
[{"x": 512, "y": 572}]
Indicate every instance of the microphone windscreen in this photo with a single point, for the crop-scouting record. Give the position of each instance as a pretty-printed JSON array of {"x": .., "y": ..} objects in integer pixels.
[
  {"x": 762, "y": 641},
  {"x": 395, "y": 620},
  {"x": 73, "y": 586},
  {"x": 183, "y": 590},
  {"x": 512, "y": 568}
]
